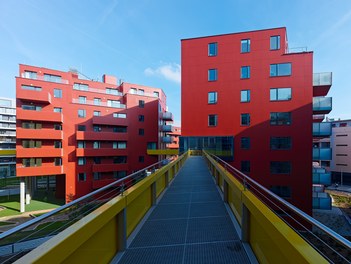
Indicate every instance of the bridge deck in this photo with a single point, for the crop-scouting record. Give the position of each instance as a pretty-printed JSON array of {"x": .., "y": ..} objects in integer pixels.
[{"x": 190, "y": 224}]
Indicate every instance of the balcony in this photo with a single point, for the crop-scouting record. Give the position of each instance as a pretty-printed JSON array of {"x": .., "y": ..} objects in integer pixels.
[
  {"x": 43, "y": 133},
  {"x": 104, "y": 104},
  {"x": 46, "y": 116},
  {"x": 322, "y": 83},
  {"x": 105, "y": 136},
  {"x": 33, "y": 96},
  {"x": 167, "y": 139},
  {"x": 322, "y": 178},
  {"x": 42, "y": 78},
  {"x": 38, "y": 152},
  {"x": 167, "y": 116},
  {"x": 90, "y": 152},
  {"x": 321, "y": 200},
  {"x": 110, "y": 120},
  {"x": 322, "y": 105},
  {"x": 322, "y": 154},
  {"x": 167, "y": 128},
  {"x": 38, "y": 171},
  {"x": 322, "y": 129},
  {"x": 318, "y": 118},
  {"x": 109, "y": 167}
]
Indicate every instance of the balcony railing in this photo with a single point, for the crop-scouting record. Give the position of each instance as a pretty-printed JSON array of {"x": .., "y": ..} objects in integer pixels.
[
  {"x": 167, "y": 128},
  {"x": 91, "y": 102},
  {"x": 321, "y": 200},
  {"x": 322, "y": 79},
  {"x": 101, "y": 91},
  {"x": 322, "y": 129},
  {"x": 322, "y": 104},
  {"x": 167, "y": 139},
  {"x": 322, "y": 154},
  {"x": 167, "y": 116},
  {"x": 46, "y": 116},
  {"x": 105, "y": 136},
  {"x": 41, "y": 78},
  {"x": 322, "y": 178}
]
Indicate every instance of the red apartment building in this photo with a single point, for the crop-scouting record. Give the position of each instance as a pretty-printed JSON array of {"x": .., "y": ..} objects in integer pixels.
[
  {"x": 249, "y": 99},
  {"x": 82, "y": 133}
]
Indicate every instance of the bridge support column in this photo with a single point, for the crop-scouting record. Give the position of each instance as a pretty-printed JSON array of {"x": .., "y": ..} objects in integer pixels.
[
  {"x": 245, "y": 224},
  {"x": 153, "y": 193},
  {"x": 22, "y": 195},
  {"x": 122, "y": 230}
]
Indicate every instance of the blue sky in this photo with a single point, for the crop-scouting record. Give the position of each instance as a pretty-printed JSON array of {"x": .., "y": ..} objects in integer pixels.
[{"x": 139, "y": 41}]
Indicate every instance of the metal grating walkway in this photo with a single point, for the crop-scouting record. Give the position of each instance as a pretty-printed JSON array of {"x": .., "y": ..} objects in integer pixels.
[{"x": 190, "y": 224}]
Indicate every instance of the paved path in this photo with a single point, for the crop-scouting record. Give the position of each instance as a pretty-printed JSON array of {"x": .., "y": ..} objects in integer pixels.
[{"x": 190, "y": 224}]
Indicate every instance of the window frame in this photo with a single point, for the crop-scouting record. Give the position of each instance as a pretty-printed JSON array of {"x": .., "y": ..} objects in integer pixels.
[
  {"x": 57, "y": 93},
  {"x": 212, "y": 49},
  {"x": 245, "y": 74},
  {"x": 214, "y": 118},
  {"x": 276, "y": 39},
  {"x": 212, "y": 75},
  {"x": 246, "y": 42},
  {"x": 276, "y": 92},
  {"x": 215, "y": 98},
  {"x": 248, "y": 96},
  {"x": 248, "y": 118},
  {"x": 274, "y": 69}
]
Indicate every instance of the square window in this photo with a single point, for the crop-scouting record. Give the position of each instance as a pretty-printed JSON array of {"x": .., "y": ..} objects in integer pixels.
[
  {"x": 245, "y": 96},
  {"x": 141, "y": 103},
  {"x": 82, "y": 99},
  {"x": 245, "y": 119},
  {"x": 245, "y": 166},
  {"x": 280, "y": 94},
  {"x": 58, "y": 161},
  {"x": 81, "y": 128},
  {"x": 141, "y": 118},
  {"x": 281, "y": 69},
  {"x": 275, "y": 42},
  {"x": 96, "y": 144},
  {"x": 97, "y": 176},
  {"x": 212, "y": 120},
  {"x": 212, "y": 75},
  {"x": 57, "y": 144},
  {"x": 156, "y": 94},
  {"x": 141, "y": 132},
  {"x": 81, "y": 113},
  {"x": 57, "y": 110},
  {"x": 212, "y": 49},
  {"x": 81, "y": 144},
  {"x": 81, "y": 161},
  {"x": 151, "y": 145},
  {"x": 212, "y": 97},
  {"x": 245, "y": 45},
  {"x": 245, "y": 143},
  {"x": 57, "y": 93},
  {"x": 97, "y": 101},
  {"x": 82, "y": 176},
  {"x": 245, "y": 72},
  {"x": 97, "y": 128},
  {"x": 97, "y": 113}
]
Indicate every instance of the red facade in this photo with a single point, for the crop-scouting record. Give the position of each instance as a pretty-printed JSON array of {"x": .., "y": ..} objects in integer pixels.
[
  {"x": 86, "y": 133},
  {"x": 233, "y": 51}
]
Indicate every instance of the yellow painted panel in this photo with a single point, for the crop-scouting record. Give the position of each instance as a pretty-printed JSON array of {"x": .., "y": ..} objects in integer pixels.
[
  {"x": 160, "y": 185},
  {"x": 162, "y": 152},
  {"x": 7, "y": 152}
]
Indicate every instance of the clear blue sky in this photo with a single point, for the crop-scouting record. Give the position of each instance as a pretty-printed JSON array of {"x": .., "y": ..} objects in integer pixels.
[{"x": 139, "y": 41}]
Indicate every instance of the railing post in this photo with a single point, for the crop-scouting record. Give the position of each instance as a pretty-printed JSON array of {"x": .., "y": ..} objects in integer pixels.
[
  {"x": 245, "y": 224},
  {"x": 122, "y": 230},
  {"x": 153, "y": 193},
  {"x": 225, "y": 191},
  {"x": 167, "y": 178}
]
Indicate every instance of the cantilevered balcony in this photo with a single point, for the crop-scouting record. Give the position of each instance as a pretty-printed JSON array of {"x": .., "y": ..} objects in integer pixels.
[
  {"x": 322, "y": 83},
  {"x": 22, "y": 171},
  {"x": 321, "y": 176},
  {"x": 321, "y": 200},
  {"x": 322, "y": 129},
  {"x": 110, "y": 120},
  {"x": 167, "y": 116},
  {"x": 105, "y": 136},
  {"x": 322, "y": 154},
  {"x": 167, "y": 139},
  {"x": 43, "y": 133},
  {"x": 33, "y": 96},
  {"x": 46, "y": 116},
  {"x": 322, "y": 105},
  {"x": 91, "y": 152},
  {"x": 38, "y": 152},
  {"x": 318, "y": 118},
  {"x": 167, "y": 128}
]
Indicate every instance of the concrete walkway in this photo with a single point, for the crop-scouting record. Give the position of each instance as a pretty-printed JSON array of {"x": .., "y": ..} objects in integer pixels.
[{"x": 190, "y": 224}]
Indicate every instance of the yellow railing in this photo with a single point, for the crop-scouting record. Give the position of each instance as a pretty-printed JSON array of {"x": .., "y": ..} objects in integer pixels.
[
  {"x": 270, "y": 238},
  {"x": 99, "y": 236}
]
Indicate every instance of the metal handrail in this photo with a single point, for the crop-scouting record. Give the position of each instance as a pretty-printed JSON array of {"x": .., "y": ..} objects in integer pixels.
[
  {"x": 346, "y": 243},
  {"x": 61, "y": 208}
]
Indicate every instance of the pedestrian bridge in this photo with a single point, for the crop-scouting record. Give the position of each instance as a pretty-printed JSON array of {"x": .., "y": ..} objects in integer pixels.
[{"x": 195, "y": 209}]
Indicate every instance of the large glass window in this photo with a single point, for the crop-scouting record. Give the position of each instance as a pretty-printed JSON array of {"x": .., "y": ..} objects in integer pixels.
[
  {"x": 81, "y": 127},
  {"x": 245, "y": 45},
  {"x": 212, "y": 120},
  {"x": 113, "y": 103},
  {"x": 212, "y": 75},
  {"x": 32, "y": 107},
  {"x": 82, "y": 161},
  {"x": 280, "y": 94},
  {"x": 245, "y": 72},
  {"x": 30, "y": 75},
  {"x": 275, "y": 42},
  {"x": 212, "y": 97},
  {"x": 81, "y": 87},
  {"x": 245, "y": 96},
  {"x": 97, "y": 113},
  {"x": 31, "y": 87},
  {"x": 281, "y": 69},
  {"x": 151, "y": 145},
  {"x": 212, "y": 49},
  {"x": 245, "y": 119},
  {"x": 280, "y": 143},
  {"x": 82, "y": 99},
  {"x": 97, "y": 101},
  {"x": 82, "y": 176},
  {"x": 280, "y": 167},
  {"x": 120, "y": 129},
  {"x": 112, "y": 91},
  {"x": 280, "y": 118},
  {"x": 52, "y": 78},
  {"x": 282, "y": 191},
  {"x": 119, "y": 115},
  {"x": 82, "y": 113},
  {"x": 119, "y": 145},
  {"x": 57, "y": 93},
  {"x": 245, "y": 143}
]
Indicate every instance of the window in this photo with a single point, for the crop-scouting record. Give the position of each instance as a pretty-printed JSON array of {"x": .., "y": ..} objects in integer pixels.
[
  {"x": 81, "y": 144},
  {"x": 57, "y": 93},
  {"x": 82, "y": 99},
  {"x": 245, "y": 45},
  {"x": 81, "y": 128},
  {"x": 96, "y": 176},
  {"x": 156, "y": 94},
  {"x": 141, "y": 159},
  {"x": 119, "y": 145},
  {"x": 245, "y": 166},
  {"x": 31, "y": 87},
  {"x": 275, "y": 42},
  {"x": 245, "y": 119},
  {"x": 31, "y": 144},
  {"x": 280, "y": 94},
  {"x": 141, "y": 131},
  {"x": 245, "y": 143},
  {"x": 281, "y": 69},
  {"x": 97, "y": 128},
  {"x": 119, "y": 115},
  {"x": 120, "y": 129},
  {"x": 32, "y": 162},
  {"x": 97, "y": 101},
  {"x": 133, "y": 90},
  {"x": 119, "y": 174},
  {"x": 114, "y": 103},
  {"x": 82, "y": 161},
  {"x": 141, "y": 92},
  {"x": 96, "y": 144},
  {"x": 57, "y": 110},
  {"x": 28, "y": 125},
  {"x": 245, "y": 96},
  {"x": 280, "y": 167},
  {"x": 141, "y": 118},
  {"x": 151, "y": 145},
  {"x": 112, "y": 91},
  {"x": 280, "y": 143},
  {"x": 280, "y": 118},
  {"x": 81, "y": 113},
  {"x": 57, "y": 144},
  {"x": 30, "y": 75},
  {"x": 212, "y": 97},
  {"x": 120, "y": 159},
  {"x": 212, "y": 120},
  {"x": 57, "y": 127},
  {"x": 81, "y": 87},
  {"x": 32, "y": 107},
  {"x": 52, "y": 78},
  {"x": 245, "y": 72},
  {"x": 97, "y": 113},
  {"x": 212, "y": 75},
  {"x": 58, "y": 161},
  {"x": 212, "y": 49},
  {"x": 82, "y": 176},
  {"x": 141, "y": 103},
  {"x": 97, "y": 160},
  {"x": 282, "y": 191}
]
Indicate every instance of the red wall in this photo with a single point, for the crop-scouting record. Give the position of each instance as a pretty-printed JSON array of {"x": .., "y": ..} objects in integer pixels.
[{"x": 195, "y": 109}]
